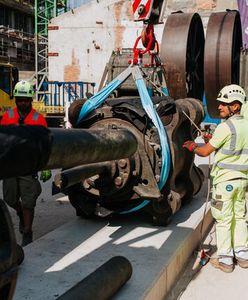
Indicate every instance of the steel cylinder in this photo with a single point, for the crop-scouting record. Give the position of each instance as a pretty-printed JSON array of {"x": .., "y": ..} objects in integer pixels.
[
  {"x": 84, "y": 146},
  {"x": 103, "y": 283},
  {"x": 28, "y": 149},
  {"x": 75, "y": 175}
]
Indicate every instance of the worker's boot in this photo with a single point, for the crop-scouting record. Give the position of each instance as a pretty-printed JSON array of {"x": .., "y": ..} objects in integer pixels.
[
  {"x": 218, "y": 264},
  {"x": 28, "y": 216},
  {"x": 19, "y": 212},
  {"x": 242, "y": 258},
  {"x": 243, "y": 263},
  {"x": 27, "y": 238},
  {"x": 21, "y": 222}
]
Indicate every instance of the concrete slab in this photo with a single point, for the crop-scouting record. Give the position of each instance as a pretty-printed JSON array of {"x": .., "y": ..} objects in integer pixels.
[
  {"x": 60, "y": 259},
  {"x": 211, "y": 283}
]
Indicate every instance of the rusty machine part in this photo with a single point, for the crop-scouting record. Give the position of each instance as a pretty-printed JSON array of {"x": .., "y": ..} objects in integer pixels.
[
  {"x": 11, "y": 254},
  {"x": 182, "y": 55},
  {"x": 118, "y": 62},
  {"x": 125, "y": 154},
  {"x": 222, "y": 55},
  {"x": 146, "y": 36},
  {"x": 124, "y": 184},
  {"x": 244, "y": 69}
]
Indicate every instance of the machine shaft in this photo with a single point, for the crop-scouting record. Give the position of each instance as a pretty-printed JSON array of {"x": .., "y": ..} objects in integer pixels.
[
  {"x": 28, "y": 149},
  {"x": 74, "y": 175}
]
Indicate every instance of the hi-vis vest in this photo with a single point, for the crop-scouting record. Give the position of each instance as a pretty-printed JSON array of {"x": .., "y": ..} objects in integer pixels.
[
  {"x": 11, "y": 114},
  {"x": 234, "y": 155},
  {"x": 12, "y": 117},
  {"x": 244, "y": 110}
]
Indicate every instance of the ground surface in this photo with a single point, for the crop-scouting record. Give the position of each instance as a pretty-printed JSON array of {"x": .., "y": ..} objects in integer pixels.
[{"x": 50, "y": 213}]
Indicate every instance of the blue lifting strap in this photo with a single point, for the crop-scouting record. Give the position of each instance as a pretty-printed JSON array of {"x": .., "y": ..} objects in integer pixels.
[
  {"x": 147, "y": 104},
  {"x": 96, "y": 100},
  {"x": 152, "y": 114}
]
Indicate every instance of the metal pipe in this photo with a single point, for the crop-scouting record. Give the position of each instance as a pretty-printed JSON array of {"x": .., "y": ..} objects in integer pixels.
[
  {"x": 80, "y": 146},
  {"x": 103, "y": 283},
  {"x": 75, "y": 175},
  {"x": 28, "y": 149}
]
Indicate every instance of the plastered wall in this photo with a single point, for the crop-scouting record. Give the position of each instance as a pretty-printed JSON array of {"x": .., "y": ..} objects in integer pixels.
[{"x": 82, "y": 39}]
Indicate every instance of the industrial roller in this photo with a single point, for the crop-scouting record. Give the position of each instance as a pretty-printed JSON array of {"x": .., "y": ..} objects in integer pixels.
[
  {"x": 222, "y": 55},
  {"x": 182, "y": 53}
]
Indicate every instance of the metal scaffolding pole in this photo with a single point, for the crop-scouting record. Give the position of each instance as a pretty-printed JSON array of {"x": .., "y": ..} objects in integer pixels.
[{"x": 45, "y": 10}]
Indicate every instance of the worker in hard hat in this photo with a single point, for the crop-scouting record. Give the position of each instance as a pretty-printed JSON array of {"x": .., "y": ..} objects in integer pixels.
[
  {"x": 22, "y": 192},
  {"x": 230, "y": 180}
]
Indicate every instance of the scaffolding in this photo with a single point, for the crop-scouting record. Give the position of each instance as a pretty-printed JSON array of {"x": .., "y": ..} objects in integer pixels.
[{"x": 45, "y": 10}]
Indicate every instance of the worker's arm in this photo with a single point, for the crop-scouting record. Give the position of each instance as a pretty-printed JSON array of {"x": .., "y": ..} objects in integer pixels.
[
  {"x": 199, "y": 150},
  {"x": 204, "y": 150},
  {"x": 221, "y": 135}
]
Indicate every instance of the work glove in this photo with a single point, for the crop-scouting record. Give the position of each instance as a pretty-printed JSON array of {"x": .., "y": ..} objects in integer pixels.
[
  {"x": 190, "y": 145},
  {"x": 206, "y": 137},
  {"x": 45, "y": 175}
]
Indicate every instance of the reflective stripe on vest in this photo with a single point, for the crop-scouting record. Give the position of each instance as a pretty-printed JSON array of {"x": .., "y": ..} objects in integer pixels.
[
  {"x": 232, "y": 150},
  {"x": 10, "y": 113},
  {"x": 35, "y": 116}
]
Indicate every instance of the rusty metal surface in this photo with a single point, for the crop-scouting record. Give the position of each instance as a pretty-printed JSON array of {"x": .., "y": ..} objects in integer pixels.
[
  {"x": 89, "y": 146},
  {"x": 78, "y": 174},
  {"x": 244, "y": 69},
  {"x": 8, "y": 254},
  {"x": 129, "y": 181},
  {"x": 182, "y": 53},
  {"x": 42, "y": 148},
  {"x": 222, "y": 55}
]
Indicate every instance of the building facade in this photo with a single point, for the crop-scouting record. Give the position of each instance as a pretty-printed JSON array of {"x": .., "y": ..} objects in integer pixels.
[
  {"x": 17, "y": 43},
  {"x": 81, "y": 41}
]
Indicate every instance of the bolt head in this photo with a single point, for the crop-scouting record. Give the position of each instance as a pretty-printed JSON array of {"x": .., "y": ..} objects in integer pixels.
[
  {"x": 122, "y": 163},
  {"x": 118, "y": 181}
]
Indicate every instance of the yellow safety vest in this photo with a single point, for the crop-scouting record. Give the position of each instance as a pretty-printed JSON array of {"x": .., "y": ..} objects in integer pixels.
[
  {"x": 244, "y": 110},
  {"x": 231, "y": 157}
]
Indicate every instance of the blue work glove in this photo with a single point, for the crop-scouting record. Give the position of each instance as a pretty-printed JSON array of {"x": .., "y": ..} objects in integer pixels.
[{"x": 45, "y": 175}]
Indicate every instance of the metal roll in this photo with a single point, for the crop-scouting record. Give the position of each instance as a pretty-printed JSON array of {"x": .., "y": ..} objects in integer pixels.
[
  {"x": 103, "y": 283},
  {"x": 182, "y": 53},
  {"x": 222, "y": 55}
]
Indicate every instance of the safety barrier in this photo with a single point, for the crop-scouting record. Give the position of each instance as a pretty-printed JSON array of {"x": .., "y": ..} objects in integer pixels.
[{"x": 59, "y": 93}]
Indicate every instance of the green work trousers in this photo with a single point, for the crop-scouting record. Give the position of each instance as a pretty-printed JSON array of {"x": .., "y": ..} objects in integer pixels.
[
  {"x": 24, "y": 188},
  {"x": 228, "y": 207}
]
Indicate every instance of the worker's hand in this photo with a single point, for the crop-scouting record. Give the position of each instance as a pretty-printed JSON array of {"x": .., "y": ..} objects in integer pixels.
[
  {"x": 45, "y": 175},
  {"x": 190, "y": 145},
  {"x": 206, "y": 137}
]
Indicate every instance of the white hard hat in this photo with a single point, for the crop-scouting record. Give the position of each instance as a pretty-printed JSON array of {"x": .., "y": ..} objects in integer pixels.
[
  {"x": 231, "y": 93},
  {"x": 24, "y": 88}
]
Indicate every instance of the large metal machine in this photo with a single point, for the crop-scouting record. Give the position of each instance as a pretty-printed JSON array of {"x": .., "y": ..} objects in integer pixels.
[
  {"x": 125, "y": 152},
  {"x": 161, "y": 176},
  {"x": 179, "y": 69}
]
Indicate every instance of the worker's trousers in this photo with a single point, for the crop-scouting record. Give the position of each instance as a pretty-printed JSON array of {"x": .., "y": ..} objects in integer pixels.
[
  {"x": 228, "y": 207},
  {"x": 24, "y": 188}
]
